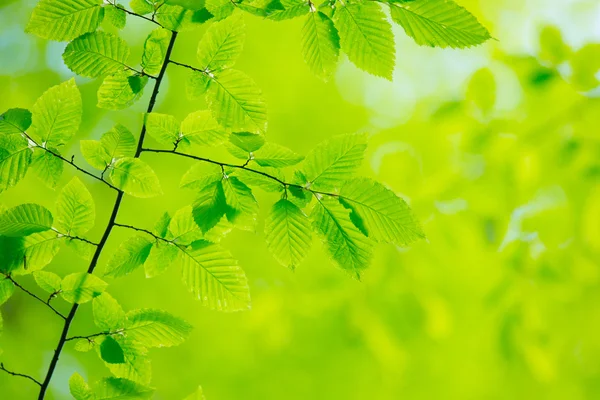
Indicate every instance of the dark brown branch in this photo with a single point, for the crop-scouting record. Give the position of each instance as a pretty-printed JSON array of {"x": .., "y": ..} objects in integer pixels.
[
  {"x": 45, "y": 302},
  {"x": 17, "y": 374}
]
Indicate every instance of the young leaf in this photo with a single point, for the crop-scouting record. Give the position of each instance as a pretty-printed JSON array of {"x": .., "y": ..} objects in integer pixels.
[
  {"x": 161, "y": 228},
  {"x": 111, "y": 352},
  {"x": 334, "y": 161},
  {"x": 242, "y": 208},
  {"x": 184, "y": 229},
  {"x": 320, "y": 44},
  {"x": 119, "y": 142},
  {"x": 81, "y": 287},
  {"x": 24, "y": 220},
  {"x": 121, "y": 90},
  {"x": 201, "y": 175},
  {"x": 162, "y": 127},
  {"x": 65, "y": 19},
  {"x": 57, "y": 114},
  {"x": 236, "y": 102},
  {"x": 156, "y": 328},
  {"x": 85, "y": 345},
  {"x": 7, "y": 288},
  {"x": 75, "y": 209},
  {"x": 135, "y": 178},
  {"x": 155, "y": 49},
  {"x": 108, "y": 314},
  {"x": 247, "y": 141},
  {"x": 48, "y": 281},
  {"x": 196, "y": 85},
  {"x": 116, "y": 15},
  {"x": 386, "y": 217},
  {"x": 95, "y": 153},
  {"x": 222, "y": 44},
  {"x": 366, "y": 37},
  {"x": 201, "y": 128},
  {"x": 121, "y": 389},
  {"x": 288, "y": 233},
  {"x": 39, "y": 249},
  {"x": 79, "y": 388},
  {"x": 129, "y": 256},
  {"x": 214, "y": 277},
  {"x": 220, "y": 9},
  {"x": 161, "y": 257},
  {"x": 348, "y": 247},
  {"x": 174, "y": 18},
  {"x": 137, "y": 367},
  {"x": 276, "y": 156},
  {"x": 262, "y": 181},
  {"x": 291, "y": 9},
  {"x": 15, "y": 158},
  {"x": 47, "y": 166},
  {"x": 15, "y": 120},
  {"x": 96, "y": 54},
  {"x": 141, "y": 7},
  {"x": 439, "y": 23},
  {"x": 209, "y": 206}
]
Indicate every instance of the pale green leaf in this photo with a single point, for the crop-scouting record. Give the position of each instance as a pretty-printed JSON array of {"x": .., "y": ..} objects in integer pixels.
[
  {"x": 85, "y": 345},
  {"x": 242, "y": 208},
  {"x": 247, "y": 141},
  {"x": 222, "y": 44},
  {"x": 57, "y": 115},
  {"x": 161, "y": 227},
  {"x": 175, "y": 18},
  {"x": 130, "y": 255},
  {"x": 119, "y": 142},
  {"x": 48, "y": 281},
  {"x": 108, "y": 314},
  {"x": 95, "y": 154},
  {"x": 439, "y": 23},
  {"x": 220, "y": 9},
  {"x": 348, "y": 247},
  {"x": 214, "y": 277},
  {"x": 201, "y": 175},
  {"x": 137, "y": 366},
  {"x": 236, "y": 102},
  {"x": 141, "y": 7},
  {"x": 184, "y": 230},
  {"x": 81, "y": 249},
  {"x": 121, "y": 90},
  {"x": 116, "y": 16},
  {"x": 96, "y": 54},
  {"x": 160, "y": 258},
  {"x": 7, "y": 288},
  {"x": 386, "y": 216},
  {"x": 201, "y": 128},
  {"x": 196, "y": 85},
  {"x": 75, "y": 209},
  {"x": 47, "y": 166},
  {"x": 15, "y": 120},
  {"x": 81, "y": 287},
  {"x": 334, "y": 161},
  {"x": 39, "y": 250},
  {"x": 15, "y": 159},
  {"x": 65, "y": 19},
  {"x": 276, "y": 156},
  {"x": 24, "y": 220},
  {"x": 261, "y": 177},
  {"x": 366, "y": 37},
  {"x": 135, "y": 178},
  {"x": 121, "y": 389},
  {"x": 482, "y": 90},
  {"x": 288, "y": 233},
  {"x": 320, "y": 44},
  {"x": 111, "y": 352},
  {"x": 79, "y": 388},
  {"x": 163, "y": 128},
  {"x": 291, "y": 9},
  {"x": 553, "y": 48},
  {"x": 155, "y": 50},
  {"x": 209, "y": 206},
  {"x": 156, "y": 328}
]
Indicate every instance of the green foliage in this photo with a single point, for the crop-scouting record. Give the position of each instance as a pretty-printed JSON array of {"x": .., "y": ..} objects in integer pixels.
[
  {"x": 81, "y": 287},
  {"x": 135, "y": 177},
  {"x": 131, "y": 254},
  {"x": 320, "y": 44},
  {"x": 121, "y": 90},
  {"x": 48, "y": 281},
  {"x": 65, "y": 19},
  {"x": 96, "y": 54},
  {"x": 75, "y": 209},
  {"x": 155, "y": 49}
]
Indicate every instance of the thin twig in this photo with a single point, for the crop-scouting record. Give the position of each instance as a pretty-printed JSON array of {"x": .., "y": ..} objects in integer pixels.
[
  {"x": 47, "y": 303},
  {"x": 138, "y": 15},
  {"x": 90, "y": 336},
  {"x": 17, "y": 374}
]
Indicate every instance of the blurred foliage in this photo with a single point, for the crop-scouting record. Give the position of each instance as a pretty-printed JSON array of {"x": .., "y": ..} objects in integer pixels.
[{"x": 497, "y": 150}]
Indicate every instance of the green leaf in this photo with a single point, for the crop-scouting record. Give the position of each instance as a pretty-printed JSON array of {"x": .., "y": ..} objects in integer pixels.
[
  {"x": 141, "y": 7},
  {"x": 129, "y": 256},
  {"x": 155, "y": 50},
  {"x": 236, "y": 102},
  {"x": 264, "y": 182},
  {"x": 96, "y": 54},
  {"x": 242, "y": 208},
  {"x": 209, "y": 206},
  {"x": 15, "y": 120},
  {"x": 15, "y": 158},
  {"x": 386, "y": 216},
  {"x": 553, "y": 49},
  {"x": 320, "y": 44},
  {"x": 334, "y": 161},
  {"x": 11, "y": 253},
  {"x": 161, "y": 228},
  {"x": 220, "y": 9},
  {"x": 79, "y": 388},
  {"x": 222, "y": 44},
  {"x": 81, "y": 287},
  {"x": 39, "y": 250},
  {"x": 163, "y": 128},
  {"x": 137, "y": 366},
  {"x": 174, "y": 18},
  {"x": 48, "y": 281},
  {"x": 111, "y": 352},
  {"x": 65, "y": 19},
  {"x": 201, "y": 175},
  {"x": 247, "y": 141},
  {"x": 108, "y": 314},
  {"x": 135, "y": 178},
  {"x": 119, "y": 142},
  {"x": 24, "y": 220},
  {"x": 47, "y": 166},
  {"x": 585, "y": 64},
  {"x": 439, "y": 23},
  {"x": 196, "y": 85},
  {"x": 75, "y": 209},
  {"x": 214, "y": 277},
  {"x": 95, "y": 154},
  {"x": 156, "y": 328},
  {"x": 482, "y": 90},
  {"x": 201, "y": 128},
  {"x": 116, "y": 16},
  {"x": 288, "y": 233},
  {"x": 81, "y": 249},
  {"x": 57, "y": 115},
  {"x": 161, "y": 257},
  {"x": 189, "y": 4},
  {"x": 366, "y": 37},
  {"x": 291, "y": 9},
  {"x": 7, "y": 288},
  {"x": 121, "y": 90},
  {"x": 184, "y": 230},
  {"x": 85, "y": 345},
  {"x": 276, "y": 156},
  {"x": 121, "y": 389},
  {"x": 348, "y": 247}
]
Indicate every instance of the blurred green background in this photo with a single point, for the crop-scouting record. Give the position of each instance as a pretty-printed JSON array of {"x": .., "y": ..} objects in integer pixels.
[{"x": 497, "y": 149}]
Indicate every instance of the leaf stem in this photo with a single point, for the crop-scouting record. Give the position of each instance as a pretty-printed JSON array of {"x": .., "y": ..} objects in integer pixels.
[
  {"x": 111, "y": 223},
  {"x": 17, "y": 374},
  {"x": 46, "y": 303}
]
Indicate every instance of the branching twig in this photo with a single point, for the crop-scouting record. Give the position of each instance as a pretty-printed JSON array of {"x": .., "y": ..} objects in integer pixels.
[
  {"x": 21, "y": 375},
  {"x": 91, "y": 336},
  {"x": 47, "y": 303}
]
